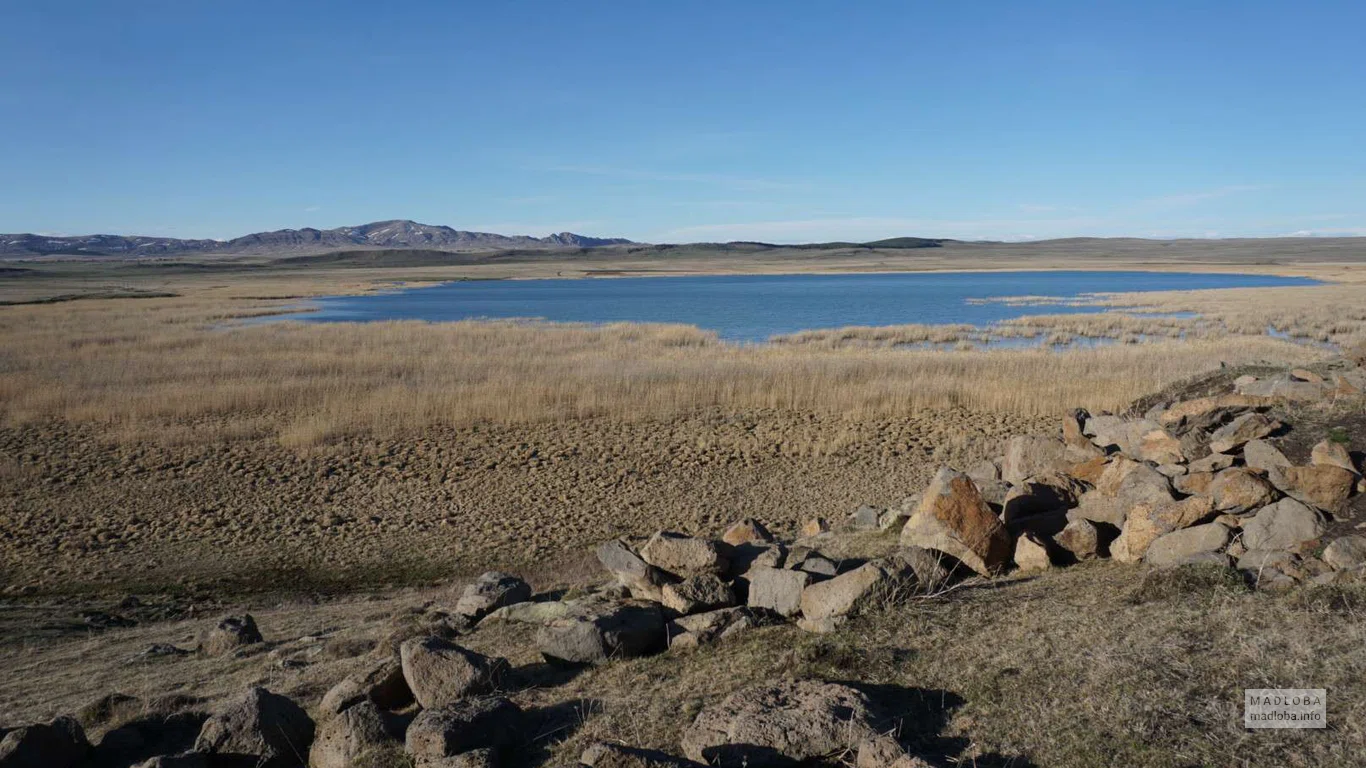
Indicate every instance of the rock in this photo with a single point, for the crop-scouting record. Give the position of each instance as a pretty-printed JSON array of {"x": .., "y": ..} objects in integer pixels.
[
  {"x": 1040, "y": 503},
  {"x": 1259, "y": 559},
  {"x": 617, "y": 630},
  {"x": 817, "y": 564},
  {"x": 231, "y": 633},
  {"x": 746, "y": 531},
  {"x": 530, "y": 613},
  {"x": 342, "y": 740},
  {"x": 848, "y": 592},
  {"x": 1123, "y": 484},
  {"x": 1180, "y": 546},
  {"x": 894, "y": 519},
  {"x": 1332, "y": 454},
  {"x": 1171, "y": 470},
  {"x": 1249, "y": 426},
  {"x": 929, "y": 568},
  {"x": 745, "y": 557},
  {"x": 776, "y": 725},
  {"x": 1325, "y": 487},
  {"x": 1238, "y": 490},
  {"x": 1160, "y": 447},
  {"x": 954, "y": 519},
  {"x": 60, "y": 743},
  {"x": 259, "y": 727},
  {"x": 984, "y": 472},
  {"x": 630, "y": 569},
  {"x": 1284, "y": 525},
  {"x": 1081, "y": 538},
  {"x": 777, "y": 589},
  {"x": 1346, "y": 552},
  {"x": 382, "y": 683},
  {"x": 1148, "y": 522},
  {"x": 440, "y": 672},
  {"x": 683, "y": 555},
  {"x": 492, "y": 590},
  {"x": 1287, "y": 388},
  {"x": 701, "y": 628},
  {"x": 1028, "y": 455},
  {"x": 485, "y": 757},
  {"x": 813, "y": 527},
  {"x": 865, "y": 518},
  {"x": 601, "y": 755},
  {"x": 1304, "y": 374},
  {"x": 1211, "y": 463},
  {"x": 463, "y": 726},
  {"x": 1031, "y": 554},
  {"x": 1259, "y": 454},
  {"x": 698, "y": 593},
  {"x": 1204, "y": 408},
  {"x": 1349, "y": 383}
]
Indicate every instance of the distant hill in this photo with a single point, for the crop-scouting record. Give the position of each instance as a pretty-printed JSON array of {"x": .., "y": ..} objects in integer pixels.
[{"x": 395, "y": 234}]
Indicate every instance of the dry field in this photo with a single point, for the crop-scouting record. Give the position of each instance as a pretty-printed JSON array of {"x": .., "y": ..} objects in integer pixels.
[{"x": 152, "y": 443}]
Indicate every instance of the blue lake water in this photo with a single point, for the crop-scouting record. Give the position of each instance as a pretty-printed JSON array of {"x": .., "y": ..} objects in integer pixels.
[{"x": 756, "y": 307}]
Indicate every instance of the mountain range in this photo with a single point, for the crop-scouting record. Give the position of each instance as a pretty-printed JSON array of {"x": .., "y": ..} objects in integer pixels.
[{"x": 395, "y": 234}]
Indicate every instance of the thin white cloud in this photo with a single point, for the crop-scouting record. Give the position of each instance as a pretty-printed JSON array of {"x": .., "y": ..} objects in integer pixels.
[
  {"x": 1186, "y": 199},
  {"x": 313, "y": 208},
  {"x": 1339, "y": 232},
  {"x": 863, "y": 228}
]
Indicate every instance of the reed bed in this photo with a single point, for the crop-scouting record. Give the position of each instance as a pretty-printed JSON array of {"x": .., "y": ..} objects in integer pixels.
[{"x": 171, "y": 368}]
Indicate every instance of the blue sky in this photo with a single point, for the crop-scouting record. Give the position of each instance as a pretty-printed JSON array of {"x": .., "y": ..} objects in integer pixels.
[{"x": 780, "y": 121}]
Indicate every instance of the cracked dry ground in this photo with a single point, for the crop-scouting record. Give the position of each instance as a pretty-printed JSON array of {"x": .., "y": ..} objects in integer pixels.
[{"x": 78, "y": 511}]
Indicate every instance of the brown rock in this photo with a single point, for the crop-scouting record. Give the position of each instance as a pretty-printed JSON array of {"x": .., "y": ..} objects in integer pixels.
[
  {"x": 1286, "y": 525},
  {"x": 1325, "y": 487},
  {"x": 1029, "y": 455},
  {"x": 440, "y": 672},
  {"x": 1191, "y": 410},
  {"x": 746, "y": 531},
  {"x": 683, "y": 555},
  {"x": 1211, "y": 463},
  {"x": 1123, "y": 484},
  {"x": 1147, "y": 522},
  {"x": 1089, "y": 471},
  {"x": 1160, "y": 447},
  {"x": 1238, "y": 490},
  {"x": 1081, "y": 538},
  {"x": 1193, "y": 483},
  {"x": 954, "y": 519},
  {"x": 698, "y": 593},
  {"x": 1304, "y": 374},
  {"x": 1260, "y": 454},
  {"x": 1186, "y": 545},
  {"x": 1234, "y": 434},
  {"x": 813, "y": 527},
  {"x": 1031, "y": 554},
  {"x": 780, "y": 724},
  {"x": 1332, "y": 454}
]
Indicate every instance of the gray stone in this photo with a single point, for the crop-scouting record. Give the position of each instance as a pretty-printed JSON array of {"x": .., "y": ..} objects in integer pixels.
[
  {"x": 777, "y": 589},
  {"x": 698, "y": 593},
  {"x": 463, "y": 726},
  {"x": 1284, "y": 525},
  {"x": 265, "y": 728},
  {"x": 231, "y": 633},
  {"x": 440, "y": 672},
  {"x": 1211, "y": 463},
  {"x": 382, "y": 683},
  {"x": 1249, "y": 426},
  {"x": 1028, "y": 455},
  {"x": 1324, "y": 487},
  {"x": 1123, "y": 484},
  {"x": 630, "y": 569},
  {"x": 954, "y": 519},
  {"x": 1177, "y": 547},
  {"x": 342, "y": 740},
  {"x": 1346, "y": 552},
  {"x": 620, "y": 630},
  {"x": 683, "y": 555},
  {"x": 492, "y": 590},
  {"x": 865, "y": 518},
  {"x": 60, "y": 743},
  {"x": 1258, "y": 559},
  {"x": 1081, "y": 538},
  {"x": 1260, "y": 454},
  {"x": 848, "y": 592},
  {"x": 780, "y": 724}
]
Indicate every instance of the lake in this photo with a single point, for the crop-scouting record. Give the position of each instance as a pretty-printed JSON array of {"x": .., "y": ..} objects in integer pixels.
[{"x": 756, "y": 307}]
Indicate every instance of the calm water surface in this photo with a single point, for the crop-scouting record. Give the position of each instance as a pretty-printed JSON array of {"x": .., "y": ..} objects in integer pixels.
[{"x": 755, "y": 307}]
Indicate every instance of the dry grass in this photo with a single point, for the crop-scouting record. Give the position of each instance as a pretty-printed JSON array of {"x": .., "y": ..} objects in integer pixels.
[{"x": 170, "y": 369}]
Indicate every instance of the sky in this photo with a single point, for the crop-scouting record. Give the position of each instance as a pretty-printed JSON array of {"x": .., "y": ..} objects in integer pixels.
[{"x": 680, "y": 121}]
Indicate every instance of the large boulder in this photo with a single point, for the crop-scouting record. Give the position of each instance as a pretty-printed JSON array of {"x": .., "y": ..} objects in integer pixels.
[
  {"x": 684, "y": 555},
  {"x": 1148, "y": 522},
  {"x": 1233, "y": 435},
  {"x": 343, "y": 740},
  {"x": 1284, "y": 525},
  {"x": 630, "y": 569},
  {"x": 850, "y": 591},
  {"x": 1029, "y": 455},
  {"x": 1206, "y": 409},
  {"x": 777, "y": 589},
  {"x": 440, "y": 672},
  {"x": 258, "y": 728},
  {"x": 1187, "y": 545},
  {"x": 1325, "y": 487},
  {"x": 381, "y": 682},
  {"x": 492, "y": 590},
  {"x": 1040, "y": 503},
  {"x": 57, "y": 744},
  {"x": 1160, "y": 447},
  {"x": 464, "y": 726},
  {"x": 953, "y": 518},
  {"x": 604, "y": 632},
  {"x": 698, "y": 593},
  {"x": 229, "y": 634},
  {"x": 1124, "y": 484},
  {"x": 1239, "y": 490},
  {"x": 780, "y": 724}
]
